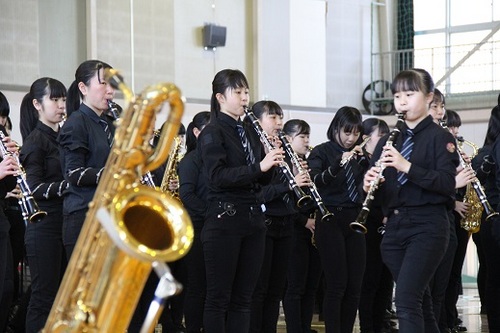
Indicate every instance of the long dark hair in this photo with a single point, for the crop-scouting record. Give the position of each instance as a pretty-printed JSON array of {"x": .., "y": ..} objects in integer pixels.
[
  {"x": 84, "y": 73},
  {"x": 493, "y": 130},
  {"x": 347, "y": 118},
  {"x": 200, "y": 120},
  {"x": 4, "y": 106},
  {"x": 44, "y": 86},
  {"x": 226, "y": 78}
]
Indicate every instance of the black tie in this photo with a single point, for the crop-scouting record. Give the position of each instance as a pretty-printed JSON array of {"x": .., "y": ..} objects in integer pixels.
[
  {"x": 351, "y": 186},
  {"x": 105, "y": 127},
  {"x": 246, "y": 145},
  {"x": 406, "y": 152}
]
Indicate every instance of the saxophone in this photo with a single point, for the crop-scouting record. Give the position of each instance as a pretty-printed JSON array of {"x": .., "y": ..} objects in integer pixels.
[
  {"x": 472, "y": 220},
  {"x": 129, "y": 227},
  {"x": 171, "y": 169}
]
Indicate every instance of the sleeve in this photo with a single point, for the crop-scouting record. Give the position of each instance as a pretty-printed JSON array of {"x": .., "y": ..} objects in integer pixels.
[
  {"x": 188, "y": 177},
  {"x": 322, "y": 173},
  {"x": 442, "y": 178},
  {"x": 35, "y": 176},
  {"x": 214, "y": 153},
  {"x": 483, "y": 163},
  {"x": 73, "y": 141},
  {"x": 277, "y": 188}
]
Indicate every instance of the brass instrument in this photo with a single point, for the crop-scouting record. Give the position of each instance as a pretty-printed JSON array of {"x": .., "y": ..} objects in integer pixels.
[
  {"x": 326, "y": 215},
  {"x": 129, "y": 227},
  {"x": 302, "y": 198},
  {"x": 346, "y": 160},
  {"x": 114, "y": 111},
  {"x": 29, "y": 208},
  {"x": 359, "y": 224},
  {"x": 474, "y": 195},
  {"x": 171, "y": 169}
]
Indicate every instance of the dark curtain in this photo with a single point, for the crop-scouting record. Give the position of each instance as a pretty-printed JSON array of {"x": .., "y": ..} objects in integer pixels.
[{"x": 406, "y": 33}]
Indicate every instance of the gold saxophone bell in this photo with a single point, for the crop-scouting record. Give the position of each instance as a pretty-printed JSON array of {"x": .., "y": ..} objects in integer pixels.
[
  {"x": 152, "y": 224},
  {"x": 129, "y": 227}
]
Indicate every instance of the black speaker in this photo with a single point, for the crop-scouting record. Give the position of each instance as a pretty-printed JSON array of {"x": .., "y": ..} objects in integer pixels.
[{"x": 214, "y": 36}]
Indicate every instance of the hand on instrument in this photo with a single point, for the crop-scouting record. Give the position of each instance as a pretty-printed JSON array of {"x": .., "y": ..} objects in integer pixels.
[
  {"x": 311, "y": 225},
  {"x": 393, "y": 158},
  {"x": 303, "y": 165},
  {"x": 272, "y": 158},
  {"x": 15, "y": 193},
  {"x": 464, "y": 177},
  {"x": 462, "y": 208},
  {"x": 11, "y": 145},
  {"x": 466, "y": 158},
  {"x": 173, "y": 184},
  {"x": 302, "y": 179},
  {"x": 8, "y": 167},
  {"x": 370, "y": 176}
]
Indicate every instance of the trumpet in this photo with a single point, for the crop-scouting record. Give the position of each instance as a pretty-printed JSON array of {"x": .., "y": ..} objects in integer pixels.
[
  {"x": 302, "y": 198},
  {"x": 346, "y": 160},
  {"x": 29, "y": 208},
  {"x": 359, "y": 225},
  {"x": 326, "y": 215}
]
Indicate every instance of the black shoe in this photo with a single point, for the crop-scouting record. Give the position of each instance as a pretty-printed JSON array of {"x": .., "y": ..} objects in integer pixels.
[{"x": 459, "y": 328}]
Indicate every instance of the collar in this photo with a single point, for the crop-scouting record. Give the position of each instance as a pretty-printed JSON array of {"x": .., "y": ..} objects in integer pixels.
[
  {"x": 90, "y": 113},
  {"x": 229, "y": 120},
  {"x": 421, "y": 125},
  {"x": 46, "y": 129}
]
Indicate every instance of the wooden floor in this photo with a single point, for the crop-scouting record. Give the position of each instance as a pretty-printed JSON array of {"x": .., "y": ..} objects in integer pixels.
[{"x": 468, "y": 306}]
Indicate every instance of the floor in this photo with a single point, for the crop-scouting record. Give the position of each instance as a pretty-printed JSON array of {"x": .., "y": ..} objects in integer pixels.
[{"x": 468, "y": 307}]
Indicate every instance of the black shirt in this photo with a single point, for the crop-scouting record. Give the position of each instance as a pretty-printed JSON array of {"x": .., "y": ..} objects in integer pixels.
[
  {"x": 84, "y": 149},
  {"x": 431, "y": 178},
  {"x": 490, "y": 178},
  {"x": 330, "y": 178},
  {"x": 193, "y": 185},
  {"x": 230, "y": 179},
  {"x": 40, "y": 158}
]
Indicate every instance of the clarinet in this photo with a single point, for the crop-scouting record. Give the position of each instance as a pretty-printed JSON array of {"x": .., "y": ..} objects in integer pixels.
[
  {"x": 326, "y": 215},
  {"x": 359, "y": 225},
  {"x": 302, "y": 198},
  {"x": 29, "y": 207}
]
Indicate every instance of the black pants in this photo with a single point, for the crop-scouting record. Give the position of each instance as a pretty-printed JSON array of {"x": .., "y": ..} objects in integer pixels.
[
  {"x": 271, "y": 284},
  {"x": 376, "y": 292},
  {"x": 491, "y": 249},
  {"x": 196, "y": 288},
  {"x": 414, "y": 243},
  {"x": 233, "y": 247},
  {"x": 17, "y": 231},
  {"x": 72, "y": 225},
  {"x": 6, "y": 272},
  {"x": 342, "y": 252},
  {"x": 441, "y": 279},
  {"x": 304, "y": 272},
  {"x": 455, "y": 283},
  {"x": 47, "y": 261}
]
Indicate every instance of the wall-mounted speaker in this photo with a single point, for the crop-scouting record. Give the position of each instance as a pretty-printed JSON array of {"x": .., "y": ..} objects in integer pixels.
[{"x": 214, "y": 36}]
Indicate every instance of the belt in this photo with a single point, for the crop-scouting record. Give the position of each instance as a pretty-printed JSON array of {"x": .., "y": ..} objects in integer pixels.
[{"x": 231, "y": 208}]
